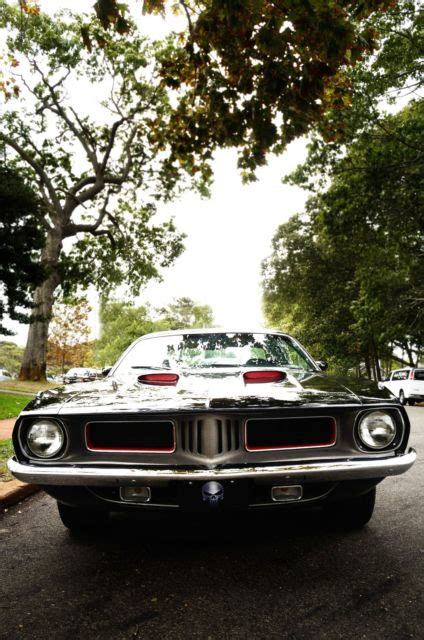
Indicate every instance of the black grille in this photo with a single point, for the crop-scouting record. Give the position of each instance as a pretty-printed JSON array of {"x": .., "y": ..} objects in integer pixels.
[
  {"x": 155, "y": 436},
  {"x": 287, "y": 433}
]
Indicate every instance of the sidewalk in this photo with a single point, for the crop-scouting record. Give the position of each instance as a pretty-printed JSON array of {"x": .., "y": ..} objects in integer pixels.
[
  {"x": 6, "y": 428},
  {"x": 13, "y": 491}
]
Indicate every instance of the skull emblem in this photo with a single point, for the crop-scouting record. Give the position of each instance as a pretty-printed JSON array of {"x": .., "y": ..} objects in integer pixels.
[{"x": 212, "y": 493}]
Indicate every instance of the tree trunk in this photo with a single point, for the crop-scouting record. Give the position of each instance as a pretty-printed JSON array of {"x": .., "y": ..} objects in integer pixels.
[
  {"x": 410, "y": 354},
  {"x": 373, "y": 360},
  {"x": 377, "y": 363},
  {"x": 367, "y": 366},
  {"x": 33, "y": 365}
]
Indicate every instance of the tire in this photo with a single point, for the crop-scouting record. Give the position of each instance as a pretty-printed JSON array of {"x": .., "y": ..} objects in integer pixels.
[
  {"x": 411, "y": 403},
  {"x": 82, "y": 520},
  {"x": 402, "y": 398},
  {"x": 351, "y": 514}
]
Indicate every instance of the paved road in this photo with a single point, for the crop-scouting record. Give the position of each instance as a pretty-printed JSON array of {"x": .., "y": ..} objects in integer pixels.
[{"x": 262, "y": 578}]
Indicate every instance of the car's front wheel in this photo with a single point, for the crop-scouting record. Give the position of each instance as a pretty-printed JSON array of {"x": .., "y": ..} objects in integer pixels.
[
  {"x": 353, "y": 513},
  {"x": 80, "y": 520}
]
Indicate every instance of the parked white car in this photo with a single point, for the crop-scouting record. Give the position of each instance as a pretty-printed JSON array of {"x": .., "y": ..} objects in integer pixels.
[
  {"x": 77, "y": 374},
  {"x": 5, "y": 375},
  {"x": 407, "y": 384}
]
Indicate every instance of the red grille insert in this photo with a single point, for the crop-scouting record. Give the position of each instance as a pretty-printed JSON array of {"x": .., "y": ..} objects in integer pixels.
[
  {"x": 156, "y": 436},
  {"x": 290, "y": 433}
]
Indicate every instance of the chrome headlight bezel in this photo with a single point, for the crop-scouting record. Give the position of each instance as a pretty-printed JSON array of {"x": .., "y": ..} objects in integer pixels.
[
  {"x": 29, "y": 446},
  {"x": 366, "y": 444}
]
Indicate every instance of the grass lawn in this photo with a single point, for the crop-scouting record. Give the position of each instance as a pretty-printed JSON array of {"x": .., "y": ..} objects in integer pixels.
[
  {"x": 6, "y": 450},
  {"x": 11, "y": 405},
  {"x": 29, "y": 387}
]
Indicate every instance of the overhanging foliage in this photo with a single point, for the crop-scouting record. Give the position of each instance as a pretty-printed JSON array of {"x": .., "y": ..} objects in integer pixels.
[{"x": 347, "y": 275}]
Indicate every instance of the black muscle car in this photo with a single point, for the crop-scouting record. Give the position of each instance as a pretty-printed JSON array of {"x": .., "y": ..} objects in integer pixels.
[{"x": 213, "y": 420}]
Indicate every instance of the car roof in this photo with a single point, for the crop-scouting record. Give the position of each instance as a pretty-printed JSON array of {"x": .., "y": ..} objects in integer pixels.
[{"x": 177, "y": 332}]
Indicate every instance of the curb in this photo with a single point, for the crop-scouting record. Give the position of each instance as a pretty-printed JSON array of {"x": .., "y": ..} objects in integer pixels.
[
  {"x": 18, "y": 393},
  {"x": 14, "y": 491}
]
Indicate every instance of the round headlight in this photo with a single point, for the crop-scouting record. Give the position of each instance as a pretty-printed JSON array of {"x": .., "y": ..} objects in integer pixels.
[
  {"x": 45, "y": 438},
  {"x": 377, "y": 429}
]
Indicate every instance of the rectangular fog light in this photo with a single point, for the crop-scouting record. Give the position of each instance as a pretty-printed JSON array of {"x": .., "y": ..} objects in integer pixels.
[
  {"x": 287, "y": 494},
  {"x": 135, "y": 494}
]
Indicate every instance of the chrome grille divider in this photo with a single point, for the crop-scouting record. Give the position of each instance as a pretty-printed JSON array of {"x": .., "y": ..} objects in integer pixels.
[{"x": 209, "y": 436}]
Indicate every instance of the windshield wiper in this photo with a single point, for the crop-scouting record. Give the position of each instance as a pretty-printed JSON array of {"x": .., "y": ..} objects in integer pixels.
[{"x": 210, "y": 366}]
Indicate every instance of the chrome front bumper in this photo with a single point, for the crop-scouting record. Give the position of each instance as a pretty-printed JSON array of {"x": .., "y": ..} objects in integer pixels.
[{"x": 124, "y": 476}]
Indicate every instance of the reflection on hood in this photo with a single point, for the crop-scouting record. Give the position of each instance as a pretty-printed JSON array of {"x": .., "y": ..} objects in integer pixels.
[{"x": 208, "y": 389}]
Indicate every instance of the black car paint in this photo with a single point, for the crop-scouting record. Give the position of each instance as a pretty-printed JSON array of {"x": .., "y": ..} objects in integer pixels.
[
  {"x": 129, "y": 395},
  {"x": 302, "y": 393}
]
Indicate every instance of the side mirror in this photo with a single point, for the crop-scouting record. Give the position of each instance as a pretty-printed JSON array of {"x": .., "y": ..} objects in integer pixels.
[
  {"x": 106, "y": 371},
  {"x": 323, "y": 365}
]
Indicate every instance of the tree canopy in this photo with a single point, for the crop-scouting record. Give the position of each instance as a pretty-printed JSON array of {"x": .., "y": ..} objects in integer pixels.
[
  {"x": 394, "y": 74},
  {"x": 256, "y": 73},
  {"x": 347, "y": 275},
  {"x": 362, "y": 231},
  {"x": 70, "y": 343},
  {"x": 252, "y": 74},
  {"x": 83, "y": 156},
  {"x": 21, "y": 239},
  {"x": 184, "y": 313},
  {"x": 10, "y": 356},
  {"x": 93, "y": 133},
  {"x": 122, "y": 323}
]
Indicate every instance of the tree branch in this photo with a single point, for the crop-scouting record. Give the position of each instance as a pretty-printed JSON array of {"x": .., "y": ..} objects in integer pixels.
[
  {"x": 84, "y": 129},
  {"x": 61, "y": 112},
  {"x": 113, "y": 132},
  {"x": 73, "y": 228},
  {"x": 105, "y": 232},
  {"x": 188, "y": 16},
  {"x": 379, "y": 123}
]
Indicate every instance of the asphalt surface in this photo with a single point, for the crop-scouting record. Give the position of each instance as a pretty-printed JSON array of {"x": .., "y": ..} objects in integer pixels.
[{"x": 263, "y": 577}]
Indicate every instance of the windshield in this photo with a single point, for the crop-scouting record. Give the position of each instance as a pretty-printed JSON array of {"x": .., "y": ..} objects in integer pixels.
[{"x": 199, "y": 351}]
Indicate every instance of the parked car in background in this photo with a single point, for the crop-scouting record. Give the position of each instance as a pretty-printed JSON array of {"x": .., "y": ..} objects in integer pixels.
[
  {"x": 406, "y": 384},
  {"x": 78, "y": 375},
  {"x": 54, "y": 377},
  {"x": 5, "y": 375}
]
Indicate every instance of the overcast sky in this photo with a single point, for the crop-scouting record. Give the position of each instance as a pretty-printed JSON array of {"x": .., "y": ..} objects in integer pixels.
[{"x": 229, "y": 234}]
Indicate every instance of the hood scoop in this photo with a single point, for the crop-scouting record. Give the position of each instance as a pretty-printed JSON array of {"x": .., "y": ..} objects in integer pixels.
[{"x": 159, "y": 379}]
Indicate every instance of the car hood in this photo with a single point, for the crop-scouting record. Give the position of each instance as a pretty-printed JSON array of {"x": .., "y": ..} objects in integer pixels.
[{"x": 207, "y": 390}]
